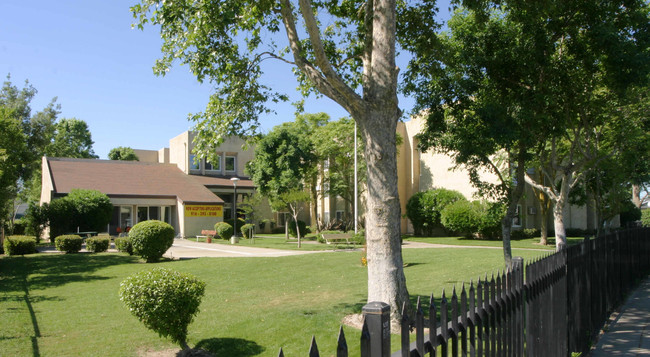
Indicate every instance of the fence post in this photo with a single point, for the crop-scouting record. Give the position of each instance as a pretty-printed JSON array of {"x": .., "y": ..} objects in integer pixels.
[{"x": 377, "y": 315}]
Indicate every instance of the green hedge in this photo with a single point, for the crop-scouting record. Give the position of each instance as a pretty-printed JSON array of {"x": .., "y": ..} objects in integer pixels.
[
  {"x": 224, "y": 230},
  {"x": 97, "y": 244},
  {"x": 70, "y": 243},
  {"x": 19, "y": 245},
  {"x": 164, "y": 300},
  {"x": 424, "y": 209},
  {"x": 151, "y": 239},
  {"x": 123, "y": 244},
  {"x": 247, "y": 230}
]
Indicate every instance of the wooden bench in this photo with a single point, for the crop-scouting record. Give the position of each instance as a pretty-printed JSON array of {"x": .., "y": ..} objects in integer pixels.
[
  {"x": 206, "y": 233},
  {"x": 336, "y": 237}
]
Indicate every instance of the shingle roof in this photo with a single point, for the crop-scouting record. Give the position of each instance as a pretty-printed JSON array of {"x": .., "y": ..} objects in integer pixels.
[{"x": 128, "y": 178}]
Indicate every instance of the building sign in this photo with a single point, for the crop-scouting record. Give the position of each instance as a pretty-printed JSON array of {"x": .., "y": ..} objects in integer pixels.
[{"x": 203, "y": 211}]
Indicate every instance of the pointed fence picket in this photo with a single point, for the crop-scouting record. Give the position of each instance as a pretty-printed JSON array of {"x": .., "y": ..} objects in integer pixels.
[{"x": 520, "y": 311}]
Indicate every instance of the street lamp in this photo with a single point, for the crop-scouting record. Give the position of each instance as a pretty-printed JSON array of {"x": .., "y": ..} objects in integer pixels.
[{"x": 234, "y": 205}]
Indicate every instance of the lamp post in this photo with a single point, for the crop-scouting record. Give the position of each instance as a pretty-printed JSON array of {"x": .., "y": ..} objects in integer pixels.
[{"x": 234, "y": 206}]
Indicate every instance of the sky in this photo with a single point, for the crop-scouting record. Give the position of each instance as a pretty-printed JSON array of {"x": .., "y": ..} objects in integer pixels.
[{"x": 85, "y": 53}]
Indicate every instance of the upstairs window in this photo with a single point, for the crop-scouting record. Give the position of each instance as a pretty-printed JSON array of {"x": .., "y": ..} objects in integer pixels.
[
  {"x": 231, "y": 163},
  {"x": 210, "y": 166},
  {"x": 194, "y": 163}
]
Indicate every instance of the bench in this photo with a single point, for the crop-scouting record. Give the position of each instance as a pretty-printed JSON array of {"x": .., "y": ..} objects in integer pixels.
[
  {"x": 206, "y": 233},
  {"x": 336, "y": 237}
]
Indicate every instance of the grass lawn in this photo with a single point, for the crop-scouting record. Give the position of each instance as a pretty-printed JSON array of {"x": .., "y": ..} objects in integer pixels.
[
  {"x": 531, "y": 243},
  {"x": 278, "y": 241},
  {"x": 68, "y": 305}
]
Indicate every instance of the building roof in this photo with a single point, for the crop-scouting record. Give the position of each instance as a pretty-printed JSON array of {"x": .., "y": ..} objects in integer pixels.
[
  {"x": 128, "y": 179},
  {"x": 211, "y": 181}
]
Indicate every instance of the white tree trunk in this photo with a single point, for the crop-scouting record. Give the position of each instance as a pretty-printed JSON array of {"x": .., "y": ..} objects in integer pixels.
[
  {"x": 558, "y": 215},
  {"x": 386, "y": 280}
]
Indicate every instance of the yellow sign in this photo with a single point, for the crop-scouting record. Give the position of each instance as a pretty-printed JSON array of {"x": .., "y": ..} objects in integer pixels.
[{"x": 203, "y": 211}]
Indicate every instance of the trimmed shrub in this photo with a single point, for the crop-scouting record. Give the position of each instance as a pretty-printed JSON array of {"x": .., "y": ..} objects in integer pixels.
[
  {"x": 524, "y": 233},
  {"x": 359, "y": 238},
  {"x": 292, "y": 228},
  {"x": 645, "y": 217},
  {"x": 151, "y": 239},
  {"x": 277, "y": 230},
  {"x": 97, "y": 244},
  {"x": 224, "y": 230},
  {"x": 490, "y": 227},
  {"x": 424, "y": 209},
  {"x": 19, "y": 245},
  {"x": 123, "y": 244},
  {"x": 70, "y": 243},
  {"x": 462, "y": 217},
  {"x": 166, "y": 301},
  {"x": 247, "y": 230}
]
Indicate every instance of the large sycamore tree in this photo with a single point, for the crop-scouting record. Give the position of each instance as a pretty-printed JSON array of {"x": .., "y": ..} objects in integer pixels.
[{"x": 343, "y": 50}]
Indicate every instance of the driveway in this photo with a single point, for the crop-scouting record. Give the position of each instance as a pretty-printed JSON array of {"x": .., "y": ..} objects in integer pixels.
[{"x": 183, "y": 248}]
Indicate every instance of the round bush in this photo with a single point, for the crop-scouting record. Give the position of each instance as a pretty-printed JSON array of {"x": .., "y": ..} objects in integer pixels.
[
  {"x": 423, "y": 209},
  {"x": 97, "y": 244},
  {"x": 247, "y": 230},
  {"x": 123, "y": 244},
  {"x": 19, "y": 245},
  {"x": 462, "y": 217},
  {"x": 166, "y": 301},
  {"x": 224, "y": 230},
  {"x": 151, "y": 239},
  {"x": 70, "y": 243},
  {"x": 490, "y": 227},
  {"x": 292, "y": 228}
]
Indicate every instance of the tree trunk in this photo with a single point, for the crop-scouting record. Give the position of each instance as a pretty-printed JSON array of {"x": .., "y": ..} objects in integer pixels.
[
  {"x": 295, "y": 219},
  {"x": 558, "y": 224},
  {"x": 636, "y": 195},
  {"x": 386, "y": 280},
  {"x": 543, "y": 229}
]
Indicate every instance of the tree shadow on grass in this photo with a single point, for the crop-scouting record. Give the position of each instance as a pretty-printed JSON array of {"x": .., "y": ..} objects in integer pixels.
[
  {"x": 42, "y": 271},
  {"x": 232, "y": 347}
]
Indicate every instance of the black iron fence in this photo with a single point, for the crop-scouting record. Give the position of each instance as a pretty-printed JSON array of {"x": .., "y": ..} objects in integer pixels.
[{"x": 549, "y": 307}]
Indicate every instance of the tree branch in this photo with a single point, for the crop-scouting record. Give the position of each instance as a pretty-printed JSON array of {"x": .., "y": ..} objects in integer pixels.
[{"x": 550, "y": 193}]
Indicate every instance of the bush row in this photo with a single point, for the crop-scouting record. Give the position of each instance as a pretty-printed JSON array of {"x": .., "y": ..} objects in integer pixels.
[
  {"x": 98, "y": 244},
  {"x": 69, "y": 243},
  {"x": 19, "y": 245}
]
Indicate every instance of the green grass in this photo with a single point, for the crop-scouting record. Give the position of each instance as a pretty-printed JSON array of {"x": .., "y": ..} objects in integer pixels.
[
  {"x": 277, "y": 241},
  {"x": 531, "y": 243},
  {"x": 68, "y": 305}
]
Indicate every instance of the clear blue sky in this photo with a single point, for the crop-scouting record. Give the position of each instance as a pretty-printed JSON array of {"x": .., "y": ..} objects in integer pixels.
[{"x": 85, "y": 53}]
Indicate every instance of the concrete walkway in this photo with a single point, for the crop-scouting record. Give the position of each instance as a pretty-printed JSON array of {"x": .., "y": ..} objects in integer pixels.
[
  {"x": 185, "y": 248},
  {"x": 629, "y": 333}
]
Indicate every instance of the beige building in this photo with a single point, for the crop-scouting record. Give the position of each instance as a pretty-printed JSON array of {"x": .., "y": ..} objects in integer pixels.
[
  {"x": 170, "y": 184},
  {"x": 418, "y": 171}
]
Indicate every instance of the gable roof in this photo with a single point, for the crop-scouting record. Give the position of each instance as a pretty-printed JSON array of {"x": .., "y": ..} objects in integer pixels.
[{"x": 127, "y": 179}]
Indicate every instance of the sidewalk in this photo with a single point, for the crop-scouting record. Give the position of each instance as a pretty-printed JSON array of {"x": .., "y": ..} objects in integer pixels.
[{"x": 629, "y": 333}]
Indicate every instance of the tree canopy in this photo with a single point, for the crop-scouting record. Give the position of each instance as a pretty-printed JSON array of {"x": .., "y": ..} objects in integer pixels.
[
  {"x": 122, "y": 153},
  {"x": 345, "y": 52}
]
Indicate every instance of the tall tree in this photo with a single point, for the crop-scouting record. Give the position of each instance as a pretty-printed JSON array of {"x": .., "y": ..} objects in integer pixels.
[
  {"x": 334, "y": 142},
  {"x": 72, "y": 138},
  {"x": 350, "y": 58},
  {"x": 122, "y": 153},
  {"x": 13, "y": 154},
  {"x": 535, "y": 69}
]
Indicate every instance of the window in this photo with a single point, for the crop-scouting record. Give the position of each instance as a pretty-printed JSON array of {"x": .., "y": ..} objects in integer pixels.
[
  {"x": 231, "y": 163},
  {"x": 193, "y": 164},
  {"x": 339, "y": 215},
  {"x": 146, "y": 213},
  {"x": 209, "y": 166},
  {"x": 125, "y": 217}
]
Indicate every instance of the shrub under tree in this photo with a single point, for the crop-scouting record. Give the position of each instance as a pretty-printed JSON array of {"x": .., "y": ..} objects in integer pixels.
[
  {"x": 224, "y": 230},
  {"x": 83, "y": 210},
  {"x": 151, "y": 239},
  {"x": 423, "y": 209},
  {"x": 166, "y": 301}
]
